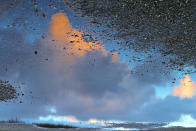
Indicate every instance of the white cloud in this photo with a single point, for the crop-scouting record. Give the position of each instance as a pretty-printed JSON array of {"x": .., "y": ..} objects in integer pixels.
[
  {"x": 53, "y": 110},
  {"x": 184, "y": 121}
]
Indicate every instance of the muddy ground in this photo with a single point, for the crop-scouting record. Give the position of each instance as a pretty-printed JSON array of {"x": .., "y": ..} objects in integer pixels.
[{"x": 31, "y": 127}]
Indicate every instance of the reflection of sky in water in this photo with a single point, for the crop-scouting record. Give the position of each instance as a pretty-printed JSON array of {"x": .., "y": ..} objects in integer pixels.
[{"x": 34, "y": 26}]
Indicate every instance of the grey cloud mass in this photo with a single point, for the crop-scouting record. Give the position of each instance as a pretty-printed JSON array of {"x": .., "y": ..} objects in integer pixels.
[
  {"x": 92, "y": 85},
  {"x": 165, "y": 110}
]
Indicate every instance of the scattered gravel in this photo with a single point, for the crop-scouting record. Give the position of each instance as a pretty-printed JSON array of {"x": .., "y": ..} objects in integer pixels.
[
  {"x": 7, "y": 91},
  {"x": 167, "y": 26}
]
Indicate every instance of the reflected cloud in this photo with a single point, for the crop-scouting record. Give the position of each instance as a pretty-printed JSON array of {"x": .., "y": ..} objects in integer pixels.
[
  {"x": 71, "y": 120},
  {"x": 185, "y": 89},
  {"x": 95, "y": 121},
  {"x": 70, "y": 39},
  {"x": 185, "y": 121}
]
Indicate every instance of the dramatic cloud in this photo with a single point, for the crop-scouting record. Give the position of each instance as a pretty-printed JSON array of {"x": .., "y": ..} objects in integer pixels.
[
  {"x": 91, "y": 86},
  {"x": 72, "y": 40},
  {"x": 185, "y": 89},
  {"x": 60, "y": 27},
  {"x": 72, "y": 75}
]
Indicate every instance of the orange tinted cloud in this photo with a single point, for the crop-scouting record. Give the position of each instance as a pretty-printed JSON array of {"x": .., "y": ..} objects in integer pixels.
[
  {"x": 185, "y": 89},
  {"x": 115, "y": 57},
  {"x": 95, "y": 121},
  {"x": 60, "y": 27},
  {"x": 71, "y": 119},
  {"x": 71, "y": 39}
]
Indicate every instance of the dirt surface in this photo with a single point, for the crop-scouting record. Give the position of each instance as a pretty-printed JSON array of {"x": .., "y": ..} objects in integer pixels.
[
  {"x": 30, "y": 127},
  {"x": 166, "y": 26},
  {"x": 7, "y": 91}
]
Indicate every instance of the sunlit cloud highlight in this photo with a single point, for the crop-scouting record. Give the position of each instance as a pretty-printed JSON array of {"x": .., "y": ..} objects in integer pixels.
[
  {"x": 185, "y": 89},
  {"x": 70, "y": 39}
]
